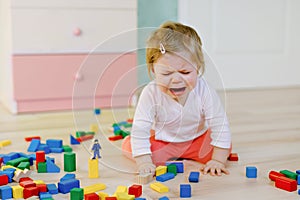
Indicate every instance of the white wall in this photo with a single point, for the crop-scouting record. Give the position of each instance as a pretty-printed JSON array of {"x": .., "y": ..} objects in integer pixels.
[{"x": 254, "y": 43}]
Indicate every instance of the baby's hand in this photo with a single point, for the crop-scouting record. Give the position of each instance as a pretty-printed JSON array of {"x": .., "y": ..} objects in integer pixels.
[
  {"x": 215, "y": 168},
  {"x": 146, "y": 168}
]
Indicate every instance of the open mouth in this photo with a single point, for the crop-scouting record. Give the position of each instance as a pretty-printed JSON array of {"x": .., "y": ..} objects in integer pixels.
[{"x": 177, "y": 91}]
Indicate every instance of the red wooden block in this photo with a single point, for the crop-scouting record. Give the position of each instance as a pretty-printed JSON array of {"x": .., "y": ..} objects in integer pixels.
[
  {"x": 273, "y": 175},
  {"x": 130, "y": 120},
  {"x": 25, "y": 179},
  {"x": 42, "y": 187},
  {"x": 111, "y": 198},
  {"x": 286, "y": 183},
  {"x": 233, "y": 157},
  {"x": 28, "y": 139},
  {"x": 1, "y": 161},
  {"x": 84, "y": 138},
  {"x": 30, "y": 191},
  {"x": 115, "y": 138},
  {"x": 91, "y": 196},
  {"x": 135, "y": 190},
  {"x": 3, "y": 179},
  {"x": 27, "y": 184}
]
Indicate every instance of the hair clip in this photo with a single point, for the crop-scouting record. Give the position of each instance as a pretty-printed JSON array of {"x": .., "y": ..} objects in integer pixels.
[{"x": 162, "y": 48}]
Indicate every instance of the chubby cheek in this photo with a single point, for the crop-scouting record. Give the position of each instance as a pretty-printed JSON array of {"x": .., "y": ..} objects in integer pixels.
[{"x": 163, "y": 83}]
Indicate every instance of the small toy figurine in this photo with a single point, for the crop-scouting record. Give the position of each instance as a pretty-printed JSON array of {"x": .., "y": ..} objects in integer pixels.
[{"x": 96, "y": 148}]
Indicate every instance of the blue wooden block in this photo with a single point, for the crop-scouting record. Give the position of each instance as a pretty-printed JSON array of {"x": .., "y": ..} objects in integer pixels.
[
  {"x": 45, "y": 195},
  {"x": 97, "y": 111},
  {"x": 165, "y": 177},
  {"x": 251, "y": 172},
  {"x": 34, "y": 145},
  {"x": 297, "y": 171},
  {"x": 163, "y": 198},
  {"x": 140, "y": 198},
  {"x": 52, "y": 167},
  {"x": 68, "y": 176},
  {"x": 194, "y": 177},
  {"x": 299, "y": 191},
  {"x": 298, "y": 179},
  {"x": 52, "y": 189},
  {"x": 67, "y": 185},
  {"x": 73, "y": 140},
  {"x": 56, "y": 150},
  {"x": 185, "y": 190},
  {"x": 30, "y": 158},
  {"x": 53, "y": 143},
  {"x": 45, "y": 148},
  {"x": 9, "y": 173},
  {"x": 179, "y": 165},
  {"x": 5, "y": 192},
  {"x": 10, "y": 156}
]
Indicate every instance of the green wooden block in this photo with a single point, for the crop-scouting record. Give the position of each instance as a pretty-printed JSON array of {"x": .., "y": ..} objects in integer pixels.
[
  {"x": 118, "y": 132},
  {"x": 17, "y": 161},
  {"x": 42, "y": 167},
  {"x": 127, "y": 125},
  {"x": 77, "y": 194},
  {"x": 289, "y": 174},
  {"x": 90, "y": 133},
  {"x": 80, "y": 134},
  {"x": 67, "y": 148},
  {"x": 24, "y": 165},
  {"x": 172, "y": 169},
  {"x": 125, "y": 133},
  {"x": 69, "y": 162}
]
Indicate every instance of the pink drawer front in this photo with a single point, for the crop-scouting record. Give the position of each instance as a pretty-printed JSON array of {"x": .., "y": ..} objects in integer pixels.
[{"x": 56, "y": 82}]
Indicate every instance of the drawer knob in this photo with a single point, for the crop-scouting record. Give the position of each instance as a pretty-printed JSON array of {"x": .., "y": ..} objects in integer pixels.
[
  {"x": 78, "y": 77},
  {"x": 77, "y": 32}
]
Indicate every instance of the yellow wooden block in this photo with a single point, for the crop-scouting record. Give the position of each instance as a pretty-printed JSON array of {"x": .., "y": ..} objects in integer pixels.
[
  {"x": 159, "y": 187},
  {"x": 17, "y": 191},
  {"x": 121, "y": 188},
  {"x": 102, "y": 195},
  {"x": 38, "y": 182},
  {"x": 8, "y": 167},
  {"x": 94, "y": 128},
  {"x": 94, "y": 188},
  {"x": 93, "y": 168},
  {"x": 124, "y": 196},
  {"x": 160, "y": 170},
  {"x": 4, "y": 143}
]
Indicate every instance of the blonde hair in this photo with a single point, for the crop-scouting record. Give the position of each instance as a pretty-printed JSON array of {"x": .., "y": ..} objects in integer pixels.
[{"x": 174, "y": 37}]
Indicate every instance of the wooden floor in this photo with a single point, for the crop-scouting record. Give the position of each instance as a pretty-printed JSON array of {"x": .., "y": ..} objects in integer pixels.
[{"x": 265, "y": 128}]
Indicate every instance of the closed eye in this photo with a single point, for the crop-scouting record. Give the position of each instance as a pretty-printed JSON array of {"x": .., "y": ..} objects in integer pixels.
[{"x": 185, "y": 72}]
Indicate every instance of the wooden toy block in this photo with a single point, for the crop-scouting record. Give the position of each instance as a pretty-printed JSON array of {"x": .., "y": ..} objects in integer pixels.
[
  {"x": 24, "y": 165},
  {"x": 4, "y": 143},
  {"x": 185, "y": 191},
  {"x": 54, "y": 143},
  {"x": 42, "y": 167},
  {"x": 120, "y": 189},
  {"x": 94, "y": 188},
  {"x": 273, "y": 175},
  {"x": 140, "y": 198},
  {"x": 251, "y": 172},
  {"x": 91, "y": 196},
  {"x": 144, "y": 178},
  {"x": 69, "y": 162},
  {"x": 93, "y": 168},
  {"x": 28, "y": 139},
  {"x": 1, "y": 161},
  {"x": 56, "y": 150},
  {"x": 67, "y": 185},
  {"x": 163, "y": 198},
  {"x": 115, "y": 137},
  {"x": 124, "y": 196},
  {"x": 289, "y": 174},
  {"x": 25, "y": 179},
  {"x": 38, "y": 182},
  {"x": 194, "y": 177},
  {"x": 67, "y": 177},
  {"x": 15, "y": 162},
  {"x": 17, "y": 191},
  {"x": 297, "y": 171},
  {"x": 76, "y": 194},
  {"x": 160, "y": 170},
  {"x": 51, "y": 167},
  {"x": 30, "y": 191},
  {"x": 110, "y": 198},
  {"x": 298, "y": 179},
  {"x": 27, "y": 184},
  {"x": 3, "y": 179},
  {"x": 34, "y": 145},
  {"x": 179, "y": 165},
  {"x": 172, "y": 169},
  {"x": 52, "y": 189},
  {"x": 73, "y": 140},
  {"x": 159, "y": 187},
  {"x": 45, "y": 196},
  {"x": 135, "y": 190},
  {"x": 233, "y": 157},
  {"x": 42, "y": 187},
  {"x": 165, "y": 177},
  {"x": 85, "y": 138},
  {"x": 5, "y": 192},
  {"x": 67, "y": 148},
  {"x": 102, "y": 195},
  {"x": 9, "y": 173},
  {"x": 286, "y": 184}
]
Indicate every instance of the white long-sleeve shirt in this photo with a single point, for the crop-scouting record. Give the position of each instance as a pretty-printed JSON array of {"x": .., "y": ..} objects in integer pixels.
[{"x": 174, "y": 122}]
